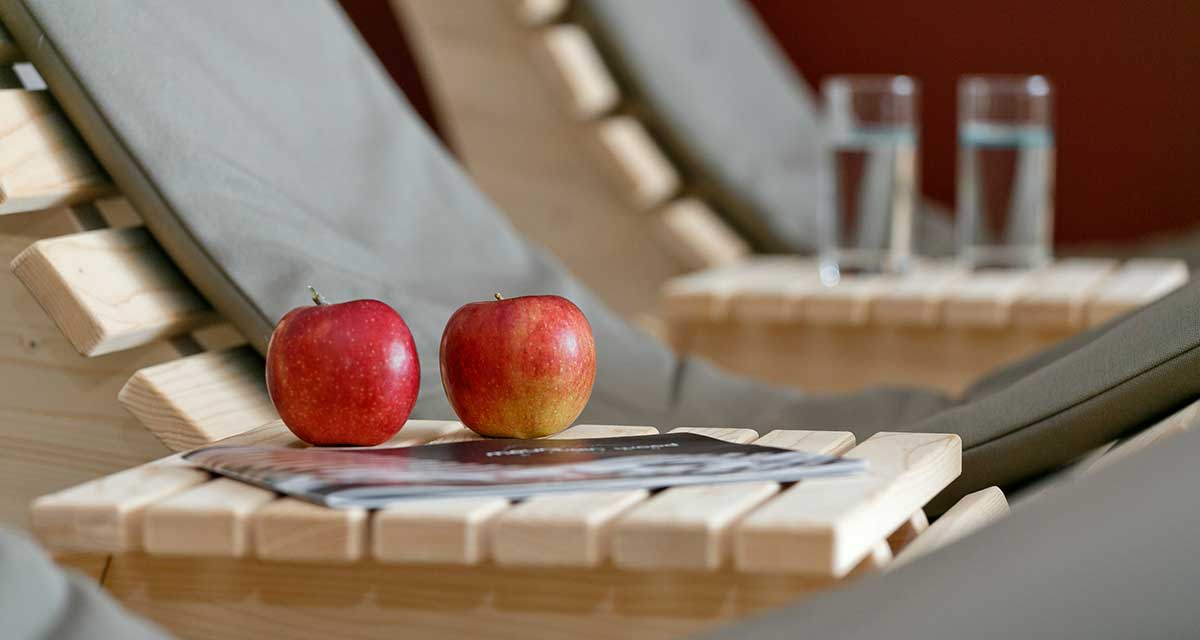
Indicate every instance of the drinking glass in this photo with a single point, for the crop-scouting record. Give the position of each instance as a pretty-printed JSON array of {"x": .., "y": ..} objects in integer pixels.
[
  {"x": 866, "y": 217},
  {"x": 1005, "y": 171}
]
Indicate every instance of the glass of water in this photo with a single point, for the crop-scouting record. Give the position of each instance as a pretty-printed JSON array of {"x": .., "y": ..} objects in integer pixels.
[
  {"x": 1005, "y": 171},
  {"x": 867, "y": 213}
]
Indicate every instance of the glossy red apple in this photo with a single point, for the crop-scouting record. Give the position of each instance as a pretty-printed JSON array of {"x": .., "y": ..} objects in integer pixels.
[
  {"x": 518, "y": 368},
  {"x": 343, "y": 373}
]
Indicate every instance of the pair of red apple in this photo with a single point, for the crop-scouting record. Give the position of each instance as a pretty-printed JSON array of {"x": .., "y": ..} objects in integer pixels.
[{"x": 349, "y": 374}]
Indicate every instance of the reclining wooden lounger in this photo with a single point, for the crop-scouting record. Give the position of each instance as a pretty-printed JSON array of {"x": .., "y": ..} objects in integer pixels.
[
  {"x": 712, "y": 142},
  {"x": 210, "y": 396}
]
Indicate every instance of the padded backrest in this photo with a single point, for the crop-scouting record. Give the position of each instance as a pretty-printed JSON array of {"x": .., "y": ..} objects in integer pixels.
[
  {"x": 728, "y": 103},
  {"x": 733, "y": 112}
]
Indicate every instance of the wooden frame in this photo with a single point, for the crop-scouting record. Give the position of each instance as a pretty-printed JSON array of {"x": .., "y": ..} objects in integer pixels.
[{"x": 520, "y": 93}]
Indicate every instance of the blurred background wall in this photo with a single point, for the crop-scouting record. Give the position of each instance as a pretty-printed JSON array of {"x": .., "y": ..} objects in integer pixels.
[{"x": 1127, "y": 77}]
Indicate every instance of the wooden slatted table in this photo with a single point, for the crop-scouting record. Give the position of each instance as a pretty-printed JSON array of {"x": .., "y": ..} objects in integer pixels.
[
  {"x": 204, "y": 555},
  {"x": 937, "y": 325}
]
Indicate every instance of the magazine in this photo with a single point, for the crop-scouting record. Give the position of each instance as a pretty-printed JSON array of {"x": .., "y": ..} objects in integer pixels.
[{"x": 376, "y": 477}]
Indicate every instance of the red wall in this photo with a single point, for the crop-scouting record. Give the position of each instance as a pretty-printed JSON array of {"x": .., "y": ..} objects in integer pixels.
[
  {"x": 1127, "y": 76},
  {"x": 381, "y": 30}
]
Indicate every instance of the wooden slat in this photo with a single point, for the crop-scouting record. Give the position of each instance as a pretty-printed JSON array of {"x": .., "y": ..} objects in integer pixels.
[
  {"x": 916, "y": 524},
  {"x": 1060, "y": 297},
  {"x": 454, "y": 531},
  {"x": 291, "y": 530},
  {"x": 698, "y": 236},
  {"x": 827, "y": 526},
  {"x": 106, "y": 514},
  {"x": 439, "y": 531},
  {"x": 643, "y": 171},
  {"x": 568, "y": 530},
  {"x": 111, "y": 289},
  {"x": 200, "y": 399},
  {"x": 579, "y": 71},
  {"x": 845, "y": 304},
  {"x": 211, "y": 519},
  {"x": 729, "y": 434},
  {"x": 916, "y": 299},
  {"x": 539, "y": 12},
  {"x": 1136, "y": 283},
  {"x": 985, "y": 298},
  {"x": 703, "y": 295},
  {"x": 830, "y": 443},
  {"x": 970, "y": 514},
  {"x": 43, "y": 163},
  {"x": 778, "y": 295},
  {"x": 564, "y": 530},
  {"x": 688, "y": 527}
]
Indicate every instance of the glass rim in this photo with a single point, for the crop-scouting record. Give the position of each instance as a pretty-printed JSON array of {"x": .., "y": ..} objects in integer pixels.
[
  {"x": 1035, "y": 85},
  {"x": 898, "y": 84}
]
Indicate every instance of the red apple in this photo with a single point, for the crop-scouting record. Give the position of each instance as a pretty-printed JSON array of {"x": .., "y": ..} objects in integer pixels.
[
  {"x": 343, "y": 373},
  {"x": 518, "y": 368}
]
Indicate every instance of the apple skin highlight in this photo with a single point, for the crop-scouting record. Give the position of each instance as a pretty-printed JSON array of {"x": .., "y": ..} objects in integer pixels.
[
  {"x": 518, "y": 368},
  {"x": 343, "y": 374}
]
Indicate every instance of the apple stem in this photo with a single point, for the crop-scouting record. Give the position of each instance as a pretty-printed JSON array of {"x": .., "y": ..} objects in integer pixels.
[
  {"x": 499, "y": 297},
  {"x": 316, "y": 297}
]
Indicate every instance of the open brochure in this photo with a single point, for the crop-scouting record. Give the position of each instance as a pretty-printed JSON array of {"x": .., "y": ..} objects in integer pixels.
[{"x": 376, "y": 477}]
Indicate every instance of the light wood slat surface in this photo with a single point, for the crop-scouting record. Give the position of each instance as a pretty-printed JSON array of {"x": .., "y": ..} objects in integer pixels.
[
  {"x": 696, "y": 235},
  {"x": 438, "y": 531},
  {"x": 986, "y": 298},
  {"x": 211, "y": 519},
  {"x": 1136, "y": 283},
  {"x": 578, "y": 71},
  {"x": 9, "y": 52},
  {"x": 288, "y": 529},
  {"x": 564, "y": 530},
  {"x": 916, "y": 299},
  {"x": 291, "y": 530},
  {"x": 641, "y": 168},
  {"x": 830, "y": 443},
  {"x": 777, "y": 294},
  {"x": 845, "y": 305},
  {"x": 730, "y": 434},
  {"x": 916, "y": 524},
  {"x": 826, "y": 526},
  {"x": 971, "y": 513},
  {"x": 106, "y": 514},
  {"x": 538, "y": 12},
  {"x": 200, "y": 399},
  {"x": 111, "y": 289},
  {"x": 568, "y": 530},
  {"x": 1059, "y": 298},
  {"x": 43, "y": 163},
  {"x": 702, "y": 295},
  {"x": 688, "y": 527},
  {"x": 456, "y": 531}
]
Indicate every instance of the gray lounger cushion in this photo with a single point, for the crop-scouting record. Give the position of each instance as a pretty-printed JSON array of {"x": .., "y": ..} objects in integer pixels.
[
  {"x": 267, "y": 150},
  {"x": 1110, "y": 556},
  {"x": 727, "y": 104},
  {"x": 39, "y": 601}
]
